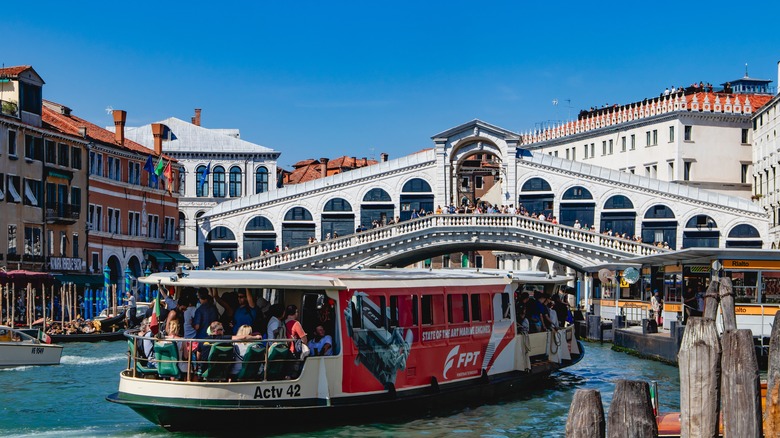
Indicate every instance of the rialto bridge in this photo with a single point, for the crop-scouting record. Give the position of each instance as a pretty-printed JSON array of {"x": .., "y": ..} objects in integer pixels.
[{"x": 471, "y": 165}]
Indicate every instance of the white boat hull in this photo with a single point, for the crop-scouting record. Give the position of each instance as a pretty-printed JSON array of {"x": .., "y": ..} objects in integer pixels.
[{"x": 15, "y": 354}]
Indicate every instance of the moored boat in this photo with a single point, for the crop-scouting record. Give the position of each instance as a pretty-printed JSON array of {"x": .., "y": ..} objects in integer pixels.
[
  {"x": 403, "y": 341},
  {"x": 17, "y": 348},
  {"x": 88, "y": 337}
]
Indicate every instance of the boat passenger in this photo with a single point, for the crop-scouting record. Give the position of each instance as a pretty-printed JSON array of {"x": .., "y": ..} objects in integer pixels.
[
  {"x": 239, "y": 348},
  {"x": 322, "y": 344},
  {"x": 147, "y": 345},
  {"x": 170, "y": 303},
  {"x": 189, "y": 316},
  {"x": 205, "y": 315},
  {"x": 522, "y": 322},
  {"x": 246, "y": 312},
  {"x": 213, "y": 332},
  {"x": 275, "y": 322},
  {"x": 173, "y": 331},
  {"x": 294, "y": 329}
]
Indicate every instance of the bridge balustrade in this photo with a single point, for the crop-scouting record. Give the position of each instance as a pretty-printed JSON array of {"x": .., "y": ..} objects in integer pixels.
[{"x": 446, "y": 221}]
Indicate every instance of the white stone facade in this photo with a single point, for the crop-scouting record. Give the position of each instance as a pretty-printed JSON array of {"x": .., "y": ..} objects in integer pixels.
[
  {"x": 436, "y": 167},
  {"x": 196, "y": 147},
  {"x": 701, "y": 144},
  {"x": 766, "y": 157}
]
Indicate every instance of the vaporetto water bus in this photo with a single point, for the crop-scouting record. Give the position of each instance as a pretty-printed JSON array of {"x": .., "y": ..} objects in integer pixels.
[{"x": 403, "y": 341}]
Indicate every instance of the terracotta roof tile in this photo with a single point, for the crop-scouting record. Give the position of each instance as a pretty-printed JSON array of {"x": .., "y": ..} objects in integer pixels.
[
  {"x": 70, "y": 124},
  {"x": 14, "y": 71}
]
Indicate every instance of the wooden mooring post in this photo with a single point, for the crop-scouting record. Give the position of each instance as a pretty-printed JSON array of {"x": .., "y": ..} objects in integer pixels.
[
  {"x": 740, "y": 388},
  {"x": 586, "y": 415},
  {"x": 772, "y": 408},
  {"x": 699, "y": 362},
  {"x": 631, "y": 412}
]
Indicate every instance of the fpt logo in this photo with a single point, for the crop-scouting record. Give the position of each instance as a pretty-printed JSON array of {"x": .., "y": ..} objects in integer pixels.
[{"x": 465, "y": 359}]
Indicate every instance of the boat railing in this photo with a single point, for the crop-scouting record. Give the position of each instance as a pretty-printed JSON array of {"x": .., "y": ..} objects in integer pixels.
[{"x": 181, "y": 359}]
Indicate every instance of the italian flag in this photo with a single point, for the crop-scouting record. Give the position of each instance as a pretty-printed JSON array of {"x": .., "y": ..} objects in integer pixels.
[{"x": 154, "y": 323}]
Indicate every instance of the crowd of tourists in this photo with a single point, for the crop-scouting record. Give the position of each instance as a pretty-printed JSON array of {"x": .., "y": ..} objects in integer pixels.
[{"x": 197, "y": 321}]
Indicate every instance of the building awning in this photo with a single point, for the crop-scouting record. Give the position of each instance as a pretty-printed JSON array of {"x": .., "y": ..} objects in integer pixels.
[
  {"x": 167, "y": 256},
  {"x": 80, "y": 279}
]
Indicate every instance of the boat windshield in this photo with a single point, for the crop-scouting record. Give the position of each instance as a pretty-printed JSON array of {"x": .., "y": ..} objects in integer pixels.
[{"x": 10, "y": 335}]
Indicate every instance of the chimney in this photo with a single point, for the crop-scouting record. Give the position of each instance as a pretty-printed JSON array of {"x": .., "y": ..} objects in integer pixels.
[
  {"x": 157, "y": 132},
  {"x": 383, "y": 157},
  {"x": 324, "y": 167},
  {"x": 364, "y": 163},
  {"x": 196, "y": 119},
  {"x": 120, "y": 117},
  {"x": 83, "y": 131}
]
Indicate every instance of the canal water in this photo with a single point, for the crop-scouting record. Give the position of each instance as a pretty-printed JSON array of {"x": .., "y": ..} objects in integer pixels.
[{"x": 68, "y": 400}]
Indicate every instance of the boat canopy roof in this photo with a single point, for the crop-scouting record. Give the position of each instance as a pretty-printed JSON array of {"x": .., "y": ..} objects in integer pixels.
[{"x": 326, "y": 279}]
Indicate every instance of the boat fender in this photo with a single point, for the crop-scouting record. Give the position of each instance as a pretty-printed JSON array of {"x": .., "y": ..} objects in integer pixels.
[
  {"x": 434, "y": 384},
  {"x": 484, "y": 378}
]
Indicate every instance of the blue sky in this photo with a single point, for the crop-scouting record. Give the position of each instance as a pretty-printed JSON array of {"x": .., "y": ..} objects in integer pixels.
[{"x": 325, "y": 79}]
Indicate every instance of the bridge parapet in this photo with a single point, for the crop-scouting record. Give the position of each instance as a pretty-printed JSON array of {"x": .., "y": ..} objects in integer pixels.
[{"x": 352, "y": 246}]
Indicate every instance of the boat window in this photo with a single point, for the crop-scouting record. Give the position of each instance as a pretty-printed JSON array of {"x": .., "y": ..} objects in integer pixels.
[
  {"x": 415, "y": 311},
  {"x": 382, "y": 322},
  {"x": 356, "y": 303},
  {"x": 318, "y": 309},
  {"x": 476, "y": 307},
  {"x": 427, "y": 310},
  {"x": 457, "y": 308},
  {"x": 394, "y": 311},
  {"x": 505, "y": 311}
]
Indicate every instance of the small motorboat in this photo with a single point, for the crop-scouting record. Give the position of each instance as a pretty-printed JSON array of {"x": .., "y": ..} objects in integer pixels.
[
  {"x": 88, "y": 337},
  {"x": 20, "y": 349}
]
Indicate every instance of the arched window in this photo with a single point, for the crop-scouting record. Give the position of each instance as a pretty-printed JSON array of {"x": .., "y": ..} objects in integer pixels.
[
  {"x": 701, "y": 221},
  {"x": 701, "y": 231},
  {"x": 337, "y": 204},
  {"x": 220, "y": 233},
  {"x": 298, "y": 214},
  {"x": 659, "y": 212},
  {"x": 182, "y": 229},
  {"x": 235, "y": 182},
  {"x": 202, "y": 189},
  {"x": 377, "y": 195},
  {"x": 261, "y": 180},
  {"x": 218, "y": 178},
  {"x": 744, "y": 231},
  {"x": 259, "y": 223},
  {"x": 577, "y": 206},
  {"x": 618, "y": 202},
  {"x": 659, "y": 226},
  {"x": 536, "y": 185},
  {"x": 617, "y": 221},
  {"x": 577, "y": 193},
  {"x": 417, "y": 185}
]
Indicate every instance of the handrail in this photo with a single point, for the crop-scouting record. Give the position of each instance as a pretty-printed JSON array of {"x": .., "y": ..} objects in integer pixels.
[
  {"x": 450, "y": 221},
  {"x": 193, "y": 365}
]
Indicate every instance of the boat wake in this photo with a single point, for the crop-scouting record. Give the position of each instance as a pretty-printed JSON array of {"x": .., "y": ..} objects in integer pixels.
[
  {"x": 82, "y": 360},
  {"x": 22, "y": 368}
]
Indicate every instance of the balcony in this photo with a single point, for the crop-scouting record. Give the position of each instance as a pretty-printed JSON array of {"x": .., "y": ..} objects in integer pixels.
[
  {"x": 62, "y": 213},
  {"x": 9, "y": 108}
]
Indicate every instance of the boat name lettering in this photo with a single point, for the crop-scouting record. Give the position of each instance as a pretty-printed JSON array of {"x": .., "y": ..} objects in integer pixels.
[
  {"x": 277, "y": 392},
  {"x": 37, "y": 350},
  {"x": 455, "y": 332}
]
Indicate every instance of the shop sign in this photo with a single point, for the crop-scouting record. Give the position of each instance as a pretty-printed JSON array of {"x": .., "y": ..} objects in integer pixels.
[
  {"x": 751, "y": 264},
  {"x": 64, "y": 264}
]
